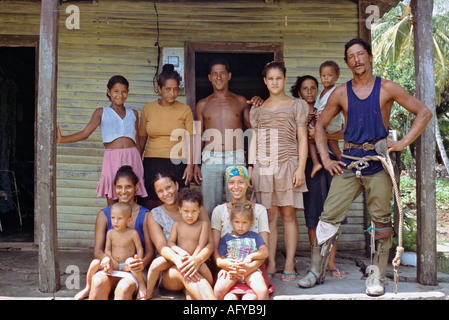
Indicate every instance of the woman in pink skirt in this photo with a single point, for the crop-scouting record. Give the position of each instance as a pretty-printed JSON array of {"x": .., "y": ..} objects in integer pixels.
[{"x": 119, "y": 133}]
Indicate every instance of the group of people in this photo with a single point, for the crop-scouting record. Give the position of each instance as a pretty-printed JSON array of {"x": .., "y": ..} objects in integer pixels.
[{"x": 182, "y": 239}]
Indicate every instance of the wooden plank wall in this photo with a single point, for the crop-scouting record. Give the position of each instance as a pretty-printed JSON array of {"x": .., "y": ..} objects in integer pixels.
[{"x": 118, "y": 37}]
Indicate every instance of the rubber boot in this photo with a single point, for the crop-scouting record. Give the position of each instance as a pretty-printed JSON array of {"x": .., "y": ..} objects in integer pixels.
[
  {"x": 318, "y": 265},
  {"x": 315, "y": 273},
  {"x": 376, "y": 281}
]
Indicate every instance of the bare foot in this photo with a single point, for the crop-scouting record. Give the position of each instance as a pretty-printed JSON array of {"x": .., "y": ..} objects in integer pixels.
[
  {"x": 82, "y": 294},
  {"x": 150, "y": 294},
  {"x": 142, "y": 294}
]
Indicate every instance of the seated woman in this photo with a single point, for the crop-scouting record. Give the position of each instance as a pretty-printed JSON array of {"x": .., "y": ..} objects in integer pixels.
[
  {"x": 184, "y": 274},
  {"x": 237, "y": 181},
  {"x": 124, "y": 284}
]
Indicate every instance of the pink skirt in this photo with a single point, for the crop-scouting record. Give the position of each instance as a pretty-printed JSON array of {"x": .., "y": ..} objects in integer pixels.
[{"x": 113, "y": 159}]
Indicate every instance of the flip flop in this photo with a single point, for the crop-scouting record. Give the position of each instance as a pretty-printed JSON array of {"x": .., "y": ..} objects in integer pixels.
[
  {"x": 270, "y": 275},
  {"x": 288, "y": 274},
  {"x": 333, "y": 272}
]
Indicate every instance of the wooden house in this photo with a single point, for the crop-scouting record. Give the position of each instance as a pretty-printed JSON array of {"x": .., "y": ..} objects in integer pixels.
[{"x": 98, "y": 39}]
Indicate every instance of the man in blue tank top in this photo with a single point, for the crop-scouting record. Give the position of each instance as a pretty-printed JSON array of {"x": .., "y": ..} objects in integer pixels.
[{"x": 366, "y": 103}]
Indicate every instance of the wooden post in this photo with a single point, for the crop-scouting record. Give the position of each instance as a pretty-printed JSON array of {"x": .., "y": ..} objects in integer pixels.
[
  {"x": 364, "y": 31},
  {"x": 45, "y": 194},
  {"x": 425, "y": 146}
]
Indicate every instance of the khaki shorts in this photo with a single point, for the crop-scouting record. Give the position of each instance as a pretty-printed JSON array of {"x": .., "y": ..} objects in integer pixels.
[{"x": 345, "y": 188}]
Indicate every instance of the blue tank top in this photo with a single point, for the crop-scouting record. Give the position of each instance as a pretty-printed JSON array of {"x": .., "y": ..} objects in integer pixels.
[
  {"x": 138, "y": 224},
  {"x": 364, "y": 124}
]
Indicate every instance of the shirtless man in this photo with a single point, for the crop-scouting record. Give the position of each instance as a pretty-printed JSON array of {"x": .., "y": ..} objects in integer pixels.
[
  {"x": 222, "y": 115},
  {"x": 366, "y": 103}
]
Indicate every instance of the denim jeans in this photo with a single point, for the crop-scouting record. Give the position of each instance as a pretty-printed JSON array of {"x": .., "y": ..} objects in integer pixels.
[{"x": 213, "y": 169}]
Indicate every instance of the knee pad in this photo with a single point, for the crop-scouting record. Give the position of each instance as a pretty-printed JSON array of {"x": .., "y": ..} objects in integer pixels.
[{"x": 382, "y": 231}]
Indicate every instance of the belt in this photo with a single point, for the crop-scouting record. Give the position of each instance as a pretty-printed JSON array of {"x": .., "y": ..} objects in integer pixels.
[{"x": 367, "y": 146}]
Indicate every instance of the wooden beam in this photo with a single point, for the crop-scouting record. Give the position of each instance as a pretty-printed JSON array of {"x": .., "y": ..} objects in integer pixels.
[
  {"x": 364, "y": 31},
  {"x": 45, "y": 185},
  {"x": 425, "y": 147}
]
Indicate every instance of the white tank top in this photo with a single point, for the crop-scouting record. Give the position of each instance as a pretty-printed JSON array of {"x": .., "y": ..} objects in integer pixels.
[{"x": 113, "y": 127}]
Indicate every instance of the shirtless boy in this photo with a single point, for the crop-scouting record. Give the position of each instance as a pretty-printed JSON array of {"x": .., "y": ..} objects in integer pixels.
[
  {"x": 122, "y": 243},
  {"x": 222, "y": 115},
  {"x": 190, "y": 235}
]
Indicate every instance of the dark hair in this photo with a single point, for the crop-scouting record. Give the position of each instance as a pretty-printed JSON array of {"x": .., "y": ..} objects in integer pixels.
[
  {"x": 190, "y": 195},
  {"x": 126, "y": 171},
  {"x": 114, "y": 80},
  {"x": 221, "y": 61},
  {"x": 168, "y": 72},
  {"x": 332, "y": 64},
  {"x": 274, "y": 65},
  {"x": 245, "y": 209},
  {"x": 163, "y": 174},
  {"x": 354, "y": 41},
  {"x": 297, "y": 86}
]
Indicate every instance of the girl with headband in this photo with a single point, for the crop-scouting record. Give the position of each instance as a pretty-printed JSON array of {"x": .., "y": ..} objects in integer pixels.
[{"x": 237, "y": 182}]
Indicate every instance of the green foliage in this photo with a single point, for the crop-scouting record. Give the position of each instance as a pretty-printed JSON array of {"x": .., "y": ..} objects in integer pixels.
[
  {"x": 403, "y": 73},
  {"x": 393, "y": 51},
  {"x": 408, "y": 200},
  {"x": 442, "y": 194}
]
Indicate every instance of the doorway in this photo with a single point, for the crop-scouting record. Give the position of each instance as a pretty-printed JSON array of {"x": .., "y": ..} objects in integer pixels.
[
  {"x": 246, "y": 60},
  {"x": 246, "y": 70},
  {"x": 17, "y": 113}
]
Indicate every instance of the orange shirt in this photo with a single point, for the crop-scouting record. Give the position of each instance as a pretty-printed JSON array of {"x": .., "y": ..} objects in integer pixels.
[{"x": 160, "y": 124}]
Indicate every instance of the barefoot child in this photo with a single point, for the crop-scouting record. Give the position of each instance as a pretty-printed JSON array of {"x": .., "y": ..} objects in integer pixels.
[
  {"x": 245, "y": 246},
  {"x": 187, "y": 238},
  {"x": 122, "y": 243},
  {"x": 329, "y": 73}
]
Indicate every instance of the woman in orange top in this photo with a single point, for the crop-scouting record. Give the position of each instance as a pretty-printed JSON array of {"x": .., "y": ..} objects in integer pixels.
[{"x": 166, "y": 124}]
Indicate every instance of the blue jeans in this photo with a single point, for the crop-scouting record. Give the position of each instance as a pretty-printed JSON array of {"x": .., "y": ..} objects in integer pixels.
[{"x": 213, "y": 169}]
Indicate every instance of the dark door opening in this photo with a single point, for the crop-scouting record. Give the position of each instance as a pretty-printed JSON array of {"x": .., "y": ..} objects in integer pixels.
[
  {"x": 17, "y": 114},
  {"x": 246, "y": 63},
  {"x": 246, "y": 70}
]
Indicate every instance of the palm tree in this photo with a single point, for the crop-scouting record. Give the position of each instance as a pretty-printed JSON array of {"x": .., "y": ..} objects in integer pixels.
[{"x": 393, "y": 43}]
